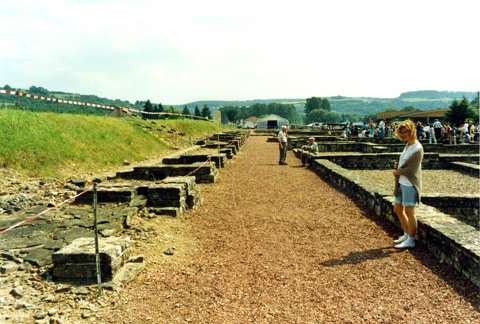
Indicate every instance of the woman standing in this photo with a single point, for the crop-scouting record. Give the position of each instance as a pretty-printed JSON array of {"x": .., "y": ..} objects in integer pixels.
[{"x": 408, "y": 183}]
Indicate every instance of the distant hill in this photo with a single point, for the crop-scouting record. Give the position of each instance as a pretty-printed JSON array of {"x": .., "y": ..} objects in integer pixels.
[
  {"x": 434, "y": 94},
  {"x": 421, "y": 99}
]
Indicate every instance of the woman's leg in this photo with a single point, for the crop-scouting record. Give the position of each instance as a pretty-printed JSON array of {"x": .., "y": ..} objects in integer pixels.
[
  {"x": 402, "y": 217},
  {"x": 411, "y": 220}
]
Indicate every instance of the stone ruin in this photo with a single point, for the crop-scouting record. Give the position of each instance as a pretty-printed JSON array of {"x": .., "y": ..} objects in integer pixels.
[
  {"x": 60, "y": 244},
  {"x": 449, "y": 224}
]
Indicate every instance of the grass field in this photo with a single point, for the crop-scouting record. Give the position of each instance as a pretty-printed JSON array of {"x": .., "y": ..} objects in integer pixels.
[{"x": 49, "y": 144}]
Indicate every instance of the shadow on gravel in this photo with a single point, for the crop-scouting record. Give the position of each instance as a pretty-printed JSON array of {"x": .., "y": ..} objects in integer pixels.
[
  {"x": 447, "y": 273},
  {"x": 361, "y": 256}
]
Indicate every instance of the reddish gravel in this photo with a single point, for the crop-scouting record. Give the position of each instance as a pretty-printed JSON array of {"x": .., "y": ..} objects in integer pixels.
[{"x": 276, "y": 244}]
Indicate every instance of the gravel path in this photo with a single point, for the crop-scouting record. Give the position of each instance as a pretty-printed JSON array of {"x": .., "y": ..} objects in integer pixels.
[{"x": 276, "y": 244}]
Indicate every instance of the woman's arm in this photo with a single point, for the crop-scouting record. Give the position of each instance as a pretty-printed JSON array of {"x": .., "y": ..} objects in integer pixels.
[{"x": 412, "y": 164}]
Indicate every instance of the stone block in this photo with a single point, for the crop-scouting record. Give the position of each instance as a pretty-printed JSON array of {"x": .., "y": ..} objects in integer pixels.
[
  {"x": 160, "y": 172},
  {"x": 107, "y": 195},
  {"x": 76, "y": 261},
  {"x": 228, "y": 152},
  {"x": 164, "y": 194},
  {"x": 39, "y": 257}
]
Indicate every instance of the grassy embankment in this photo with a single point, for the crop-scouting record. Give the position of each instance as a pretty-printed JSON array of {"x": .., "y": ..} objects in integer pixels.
[{"x": 49, "y": 144}]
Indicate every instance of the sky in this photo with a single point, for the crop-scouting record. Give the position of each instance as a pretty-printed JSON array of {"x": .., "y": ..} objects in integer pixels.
[{"x": 175, "y": 52}]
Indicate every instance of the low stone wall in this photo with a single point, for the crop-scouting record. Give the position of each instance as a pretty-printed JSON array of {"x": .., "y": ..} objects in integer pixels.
[
  {"x": 467, "y": 168},
  {"x": 449, "y": 239},
  {"x": 379, "y": 161},
  {"x": 219, "y": 159},
  {"x": 463, "y": 207},
  {"x": 204, "y": 172},
  {"x": 384, "y": 161},
  {"x": 372, "y": 147}
]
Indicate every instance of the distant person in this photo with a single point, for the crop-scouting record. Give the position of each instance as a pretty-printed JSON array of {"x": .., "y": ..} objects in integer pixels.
[
  {"x": 471, "y": 132},
  {"x": 437, "y": 127},
  {"x": 381, "y": 129},
  {"x": 448, "y": 131},
  {"x": 466, "y": 133},
  {"x": 371, "y": 128},
  {"x": 355, "y": 131},
  {"x": 283, "y": 144},
  {"x": 348, "y": 131},
  {"x": 432, "y": 137},
  {"x": 420, "y": 131},
  {"x": 408, "y": 183},
  {"x": 308, "y": 150}
]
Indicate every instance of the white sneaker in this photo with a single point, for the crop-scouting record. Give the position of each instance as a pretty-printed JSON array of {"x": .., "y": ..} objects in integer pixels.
[
  {"x": 407, "y": 244},
  {"x": 401, "y": 238}
]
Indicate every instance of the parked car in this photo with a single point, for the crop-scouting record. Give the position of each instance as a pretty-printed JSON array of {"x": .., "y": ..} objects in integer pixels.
[{"x": 315, "y": 125}]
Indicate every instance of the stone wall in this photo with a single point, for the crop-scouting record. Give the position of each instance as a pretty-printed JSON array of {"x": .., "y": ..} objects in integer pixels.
[
  {"x": 449, "y": 239},
  {"x": 369, "y": 147},
  {"x": 464, "y": 207},
  {"x": 384, "y": 161},
  {"x": 467, "y": 168}
]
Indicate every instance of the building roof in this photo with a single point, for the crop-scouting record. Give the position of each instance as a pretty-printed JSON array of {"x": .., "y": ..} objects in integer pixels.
[
  {"x": 437, "y": 113},
  {"x": 270, "y": 117}
]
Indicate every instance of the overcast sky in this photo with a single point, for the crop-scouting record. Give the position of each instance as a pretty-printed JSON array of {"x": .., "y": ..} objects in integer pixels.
[{"x": 175, "y": 52}]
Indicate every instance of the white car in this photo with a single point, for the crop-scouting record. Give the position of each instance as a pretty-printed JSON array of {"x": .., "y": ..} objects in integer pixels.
[{"x": 315, "y": 125}]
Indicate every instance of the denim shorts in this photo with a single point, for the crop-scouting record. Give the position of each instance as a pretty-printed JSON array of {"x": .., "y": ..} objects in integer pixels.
[{"x": 406, "y": 196}]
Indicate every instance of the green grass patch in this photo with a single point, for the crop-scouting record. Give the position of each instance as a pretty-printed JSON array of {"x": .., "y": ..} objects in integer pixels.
[{"x": 49, "y": 144}]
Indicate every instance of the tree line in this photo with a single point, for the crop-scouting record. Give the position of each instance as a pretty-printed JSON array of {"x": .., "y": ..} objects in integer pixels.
[
  {"x": 158, "y": 108},
  {"x": 463, "y": 110},
  {"x": 236, "y": 113},
  {"x": 319, "y": 109}
]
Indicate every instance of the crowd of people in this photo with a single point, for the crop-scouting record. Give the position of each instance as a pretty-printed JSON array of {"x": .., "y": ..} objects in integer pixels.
[{"x": 436, "y": 132}]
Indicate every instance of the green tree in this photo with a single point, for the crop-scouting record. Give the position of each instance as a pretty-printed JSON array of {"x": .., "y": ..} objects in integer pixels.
[
  {"x": 313, "y": 103},
  {"x": 206, "y": 112},
  {"x": 148, "y": 107},
  {"x": 197, "y": 112},
  {"x": 475, "y": 107},
  {"x": 159, "y": 108},
  {"x": 185, "y": 110},
  {"x": 39, "y": 91},
  {"x": 324, "y": 116},
  {"x": 409, "y": 109},
  {"x": 459, "y": 112},
  {"x": 325, "y": 105}
]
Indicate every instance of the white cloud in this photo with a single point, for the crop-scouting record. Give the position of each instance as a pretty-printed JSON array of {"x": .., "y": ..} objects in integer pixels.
[{"x": 175, "y": 52}]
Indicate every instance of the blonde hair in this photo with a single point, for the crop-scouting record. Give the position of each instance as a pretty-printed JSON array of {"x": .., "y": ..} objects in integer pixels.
[{"x": 409, "y": 126}]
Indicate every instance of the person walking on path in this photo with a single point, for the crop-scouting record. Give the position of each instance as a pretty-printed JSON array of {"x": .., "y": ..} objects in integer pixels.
[
  {"x": 283, "y": 145},
  {"x": 408, "y": 183}
]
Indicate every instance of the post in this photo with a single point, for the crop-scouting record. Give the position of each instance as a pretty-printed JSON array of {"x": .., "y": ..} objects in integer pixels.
[{"x": 97, "y": 252}]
